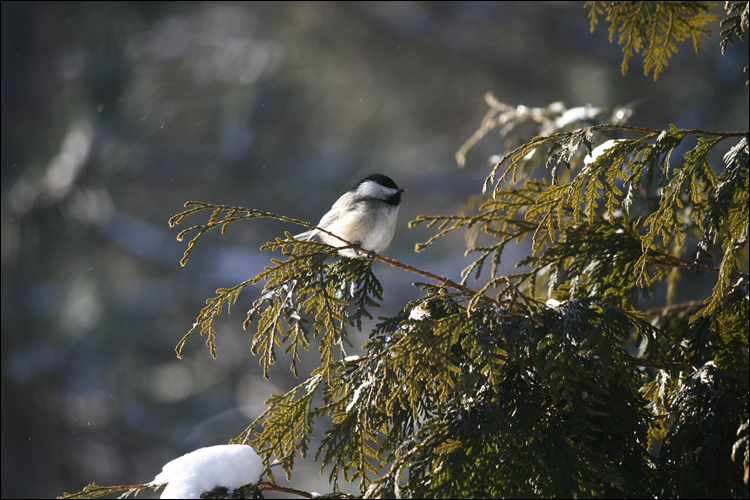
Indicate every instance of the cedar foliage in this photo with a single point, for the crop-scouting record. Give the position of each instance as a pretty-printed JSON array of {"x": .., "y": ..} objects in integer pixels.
[
  {"x": 557, "y": 380},
  {"x": 655, "y": 28}
]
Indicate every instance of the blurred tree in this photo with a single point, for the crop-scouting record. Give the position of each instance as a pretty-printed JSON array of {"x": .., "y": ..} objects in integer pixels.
[{"x": 601, "y": 386}]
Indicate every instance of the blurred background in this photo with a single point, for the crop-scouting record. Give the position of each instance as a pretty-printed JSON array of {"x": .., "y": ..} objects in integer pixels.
[{"x": 116, "y": 114}]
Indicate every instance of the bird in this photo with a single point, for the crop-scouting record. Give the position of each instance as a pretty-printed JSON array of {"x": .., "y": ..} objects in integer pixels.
[{"x": 365, "y": 216}]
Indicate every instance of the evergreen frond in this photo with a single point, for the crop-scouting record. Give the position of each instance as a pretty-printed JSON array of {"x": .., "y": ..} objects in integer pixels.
[
  {"x": 353, "y": 439},
  {"x": 544, "y": 210},
  {"x": 510, "y": 392},
  {"x": 287, "y": 426},
  {"x": 305, "y": 285},
  {"x": 207, "y": 316},
  {"x": 727, "y": 211},
  {"x": 711, "y": 407},
  {"x": 602, "y": 238},
  {"x": 654, "y": 27},
  {"x": 736, "y": 23}
]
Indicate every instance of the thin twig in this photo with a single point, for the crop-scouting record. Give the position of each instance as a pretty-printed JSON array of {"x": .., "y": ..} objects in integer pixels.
[
  {"x": 685, "y": 264},
  {"x": 663, "y": 311},
  {"x": 693, "y": 131},
  {"x": 440, "y": 279},
  {"x": 266, "y": 485}
]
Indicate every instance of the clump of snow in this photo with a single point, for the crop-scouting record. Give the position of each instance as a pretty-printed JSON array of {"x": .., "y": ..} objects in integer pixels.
[
  {"x": 599, "y": 150},
  {"x": 576, "y": 115},
  {"x": 419, "y": 313},
  {"x": 357, "y": 392},
  {"x": 228, "y": 465}
]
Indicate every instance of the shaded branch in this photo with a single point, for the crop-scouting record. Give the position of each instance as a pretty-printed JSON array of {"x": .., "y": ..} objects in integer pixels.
[
  {"x": 663, "y": 311},
  {"x": 693, "y": 131},
  {"x": 682, "y": 263},
  {"x": 268, "y": 486},
  {"x": 647, "y": 363}
]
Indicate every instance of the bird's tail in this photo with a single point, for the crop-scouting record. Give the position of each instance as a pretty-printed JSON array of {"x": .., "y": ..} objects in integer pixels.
[{"x": 307, "y": 235}]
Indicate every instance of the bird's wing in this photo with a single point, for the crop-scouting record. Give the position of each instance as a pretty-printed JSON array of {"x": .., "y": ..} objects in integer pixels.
[
  {"x": 332, "y": 216},
  {"x": 307, "y": 235}
]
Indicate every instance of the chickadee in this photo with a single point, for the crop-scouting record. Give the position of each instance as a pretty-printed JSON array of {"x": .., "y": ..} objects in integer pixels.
[{"x": 365, "y": 215}]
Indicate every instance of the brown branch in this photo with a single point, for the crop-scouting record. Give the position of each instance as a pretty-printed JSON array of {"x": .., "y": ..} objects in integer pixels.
[
  {"x": 445, "y": 282},
  {"x": 440, "y": 279},
  {"x": 137, "y": 486},
  {"x": 263, "y": 485},
  {"x": 691, "y": 131},
  {"x": 682, "y": 263},
  {"x": 266, "y": 485},
  {"x": 663, "y": 311},
  {"x": 93, "y": 490}
]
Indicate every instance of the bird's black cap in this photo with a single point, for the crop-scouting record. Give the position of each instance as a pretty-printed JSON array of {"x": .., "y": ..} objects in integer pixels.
[{"x": 381, "y": 179}]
